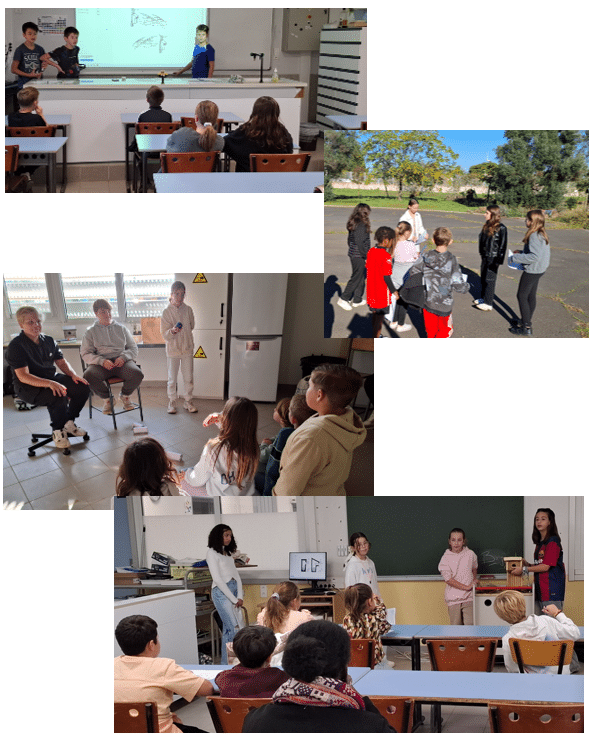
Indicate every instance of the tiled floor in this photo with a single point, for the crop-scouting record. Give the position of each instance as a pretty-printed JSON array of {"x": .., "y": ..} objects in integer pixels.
[
  {"x": 456, "y": 719},
  {"x": 51, "y": 480}
]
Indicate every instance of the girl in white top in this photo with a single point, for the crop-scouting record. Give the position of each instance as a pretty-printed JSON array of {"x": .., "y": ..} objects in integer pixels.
[
  {"x": 359, "y": 567},
  {"x": 458, "y": 567},
  {"x": 227, "y": 590},
  {"x": 418, "y": 232},
  {"x": 177, "y": 324},
  {"x": 405, "y": 254},
  {"x": 229, "y": 461}
]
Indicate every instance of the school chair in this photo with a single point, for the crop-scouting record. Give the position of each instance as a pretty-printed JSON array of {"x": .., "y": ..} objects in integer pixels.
[
  {"x": 191, "y": 123},
  {"x": 110, "y": 382},
  {"x": 362, "y": 653},
  {"x": 459, "y": 655},
  {"x": 189, "y": 161},
  {"x": 522, "y": 718},
  {"x": 136, "y": 718},
  {"x": 228, "y": 714},
  {"x": 397, "y": 711},
  {"x": 279, "y": 162},
  {"x": 12, "y": 181},
  {"x": 23, "y": 131},
  {"x": 151, "y": 128},
  {"x": 47, "y": 439},
  {"x": 541, "y": 653}
]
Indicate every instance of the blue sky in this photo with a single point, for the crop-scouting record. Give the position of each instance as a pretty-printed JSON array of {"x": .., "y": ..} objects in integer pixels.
[{"x": 473, "y": 147}]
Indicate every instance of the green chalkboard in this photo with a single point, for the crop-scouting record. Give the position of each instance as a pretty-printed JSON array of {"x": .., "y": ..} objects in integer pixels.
[{"x": 410, "y": 534}]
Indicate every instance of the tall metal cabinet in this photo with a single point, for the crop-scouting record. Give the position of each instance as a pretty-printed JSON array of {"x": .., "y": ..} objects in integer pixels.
[{"x": 342, "y": 73}]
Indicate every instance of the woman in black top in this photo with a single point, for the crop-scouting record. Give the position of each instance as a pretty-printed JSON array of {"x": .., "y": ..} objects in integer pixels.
[
  {"x": 492, "y": 248},
  {"x": 358, "y": 245},
  {"x": 262, "y": 134}
]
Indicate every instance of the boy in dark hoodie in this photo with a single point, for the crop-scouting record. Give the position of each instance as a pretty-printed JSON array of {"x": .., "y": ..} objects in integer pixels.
[{"x": 441, "y": 275}]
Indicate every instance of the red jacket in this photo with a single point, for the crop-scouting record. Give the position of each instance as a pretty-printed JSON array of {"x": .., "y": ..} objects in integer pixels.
[{"x": 378, "y": 264}]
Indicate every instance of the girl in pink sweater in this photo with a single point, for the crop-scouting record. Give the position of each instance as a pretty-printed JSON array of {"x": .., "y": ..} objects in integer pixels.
[{"x": 458, "y": 567}]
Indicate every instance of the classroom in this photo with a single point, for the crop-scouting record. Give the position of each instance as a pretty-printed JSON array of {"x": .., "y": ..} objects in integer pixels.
[
  {"x": 178, "y": 100},
  {"x": 247, "y": 335},
  {"x": 438, "y": 576}
]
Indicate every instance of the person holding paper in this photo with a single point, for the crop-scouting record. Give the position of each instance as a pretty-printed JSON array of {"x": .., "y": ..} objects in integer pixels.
[{"x": 411, "y": 215}]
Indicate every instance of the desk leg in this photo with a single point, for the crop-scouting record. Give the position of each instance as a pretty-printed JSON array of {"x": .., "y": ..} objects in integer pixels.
[
  {"x": 144, "y": 158},
  {"x": 51, "y": 165},
  {"x": 127, "y": 176},
  {"x": 64, "y": 171}
]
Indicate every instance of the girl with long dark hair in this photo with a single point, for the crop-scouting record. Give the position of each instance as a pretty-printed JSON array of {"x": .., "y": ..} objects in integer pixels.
[
  {"x": 492, "y": 249},
  {"x": 358, "y": 227},
  {"x": 146, "y": 470}
]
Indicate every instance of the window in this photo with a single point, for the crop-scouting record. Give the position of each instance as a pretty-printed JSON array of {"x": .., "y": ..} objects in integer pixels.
[
  {"x": 80, "y": 292},
  {"x": 26, "y": 290},
  {"x": 147, "y": 295}
]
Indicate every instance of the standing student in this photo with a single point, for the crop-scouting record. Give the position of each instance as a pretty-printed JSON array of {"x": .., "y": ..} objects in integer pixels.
[
  {"x": 66, "y": 56},
  {"x": 412, "y": 216},
  {"x": 379, "y": 284},
  {"x": 458, "y": 567},
  {"x": 492, "y": 249},
  {"x": 535, "y": 258},
  {"x": 405, "y": 254},
  {"x": 358, "y": 226},
  {"x": 203, "y": 56},
  {"x": 359, "y": 568},
  {"x": 177, "y": 325},
  {"x": 366, "y": 618},
  {"x": 229, "y": 461},
  {"x": 27, "y": 62},
  {"x": 227, "y": 590}
]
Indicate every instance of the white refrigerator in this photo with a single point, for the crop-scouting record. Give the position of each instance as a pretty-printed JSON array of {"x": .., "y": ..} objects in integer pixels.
[{"x": 257, "y": 317}]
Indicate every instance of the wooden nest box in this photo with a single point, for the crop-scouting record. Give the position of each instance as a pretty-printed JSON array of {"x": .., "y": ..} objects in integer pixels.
[{"x": 510, "y": 564}]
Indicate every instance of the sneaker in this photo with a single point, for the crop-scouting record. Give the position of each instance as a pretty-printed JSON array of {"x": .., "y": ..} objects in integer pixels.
[
  {"x": 478, "y": 301},
  {"x": 172, "y": 406},
  {"x": 127, "y": 404},
  {"x": 357, "y": 305},
  {"x": 74, "y": 430},
  {"x": 392, "y": 324},
  {"x": 344, "y": 304},
  {"x": 60, "y": 439},
  {"x": 521, "y": 330},
  {"x": 107, "y": 407},
  {"x": 189, "y": 407},
  {"x": 483, "y": 306},
  {"x": 403, "y": 327}
]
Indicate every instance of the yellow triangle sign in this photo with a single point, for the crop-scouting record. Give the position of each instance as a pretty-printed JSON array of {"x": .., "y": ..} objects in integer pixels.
[
  {"x": 200, "y": 353},
  {"x": 199, "y": 278}
]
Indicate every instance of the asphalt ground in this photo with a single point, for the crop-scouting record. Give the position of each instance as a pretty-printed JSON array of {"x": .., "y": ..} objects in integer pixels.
[{"x": 563, "y": 291}]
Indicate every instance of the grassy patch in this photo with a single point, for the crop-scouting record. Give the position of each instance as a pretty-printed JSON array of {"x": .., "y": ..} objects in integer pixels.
[{"x": 427, "y": 201}]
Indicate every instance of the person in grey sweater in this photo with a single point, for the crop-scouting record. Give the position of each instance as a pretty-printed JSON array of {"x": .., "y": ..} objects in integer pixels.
[
  {"x": 535, "y": 258},
  {"x": 204, "y": 137},
  {"x": 109, "y": 350}
]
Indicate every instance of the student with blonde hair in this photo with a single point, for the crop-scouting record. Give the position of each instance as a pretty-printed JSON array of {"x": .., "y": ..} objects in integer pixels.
[
  {"x": 282, "y": 612},
  {"x": 204, "y": 137},
  {"x": 510, "y": 606},
  {"x": 535, "y": 258}
]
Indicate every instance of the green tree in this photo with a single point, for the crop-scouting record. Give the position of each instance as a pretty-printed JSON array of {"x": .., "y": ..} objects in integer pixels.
[
  {"x": 485, "y": 172},
  {"x": 407, "y": 156},
  {"x": 343, "y": 153},
  {"x": 534, "y": 167}
]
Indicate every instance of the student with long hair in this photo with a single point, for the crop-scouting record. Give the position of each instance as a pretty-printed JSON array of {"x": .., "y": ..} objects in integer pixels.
[
  {"x": 492, "y": 249},
  {"x": 229, "y": 461},
  {"x": 282, "y": 612},
  {"x": 366, "y": 618},
  {"x": 358, "y": 226},
  {"x": 405, "y": 254},
  {"x": 146, "y": 470},
  {"x": 263, "y": 133},
  {"x": 204, "y": 138},
  {"x": 535, "y": 258},
  {"x": 412, "y": 216},
  {"x": 227, "y": 590}
]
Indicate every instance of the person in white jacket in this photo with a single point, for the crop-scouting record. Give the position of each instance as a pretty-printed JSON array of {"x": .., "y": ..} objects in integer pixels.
[
  {"x": 510, "y": 606},
  {"x": 177, "y": 325},
  {"x": 358, "y": 566},
  {"x": 411, "y": 215}
]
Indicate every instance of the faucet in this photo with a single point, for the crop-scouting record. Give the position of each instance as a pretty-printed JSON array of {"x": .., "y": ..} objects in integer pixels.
[{"x": 261, "y": 64}]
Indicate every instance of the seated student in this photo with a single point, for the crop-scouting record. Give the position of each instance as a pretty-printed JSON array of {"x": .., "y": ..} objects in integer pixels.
[
  {"x": 141, "y": 675},
  {"x": 29, "y": 112},
  {"x": 109, "y": 350},
  {"x": 204, "y": 138},
  {"x": 317, "y": 698},
  {"x": 33, "y": 356},
  {"x": 66, "y": 56},
  {"x": 280, "y": 416},
  {"x": 366, "y": 618},
  {"x": 510, "y": 606},
  {"x": 253, "y": 676},
  {"x": 298, "y": 412},
  {"x": 317, "y": 457},
  {"x": 146, "y": 470},
  {"x": 155, "y": 114},
  {"x": 262, "y": 134},
  {"x": 282, "y": 613}
]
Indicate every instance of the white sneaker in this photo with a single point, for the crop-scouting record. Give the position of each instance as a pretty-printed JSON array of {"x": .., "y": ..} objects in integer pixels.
[
  {"x": 127, "y": 404},
  {"x": 483, "y": 306},
  {"x": 60, "y": 439},
  {"x": 392, "y": 324},
  {"x": 403, "y": 327},
  {"x": 356, "y": 305},
  {"x": 344, "y": 304},
  {"x": 107, "y": 407},
  {"x": 172, "y": 406},
  {"x": 74, "y": 430},
  {"x": 189, "y": 407}
]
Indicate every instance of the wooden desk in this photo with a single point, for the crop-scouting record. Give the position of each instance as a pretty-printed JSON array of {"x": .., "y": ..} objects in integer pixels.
[{"x": 40, "y": 151}]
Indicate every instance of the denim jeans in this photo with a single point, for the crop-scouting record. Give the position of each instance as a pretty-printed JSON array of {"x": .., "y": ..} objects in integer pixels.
[{"x": 226, "y": 610}]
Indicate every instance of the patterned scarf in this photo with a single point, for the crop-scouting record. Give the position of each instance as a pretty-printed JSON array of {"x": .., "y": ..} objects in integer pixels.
[{"x": 323, "y": 691}]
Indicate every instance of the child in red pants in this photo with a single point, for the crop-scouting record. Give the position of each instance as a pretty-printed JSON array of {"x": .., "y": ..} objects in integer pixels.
[{"x": 379, "y": 284}]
